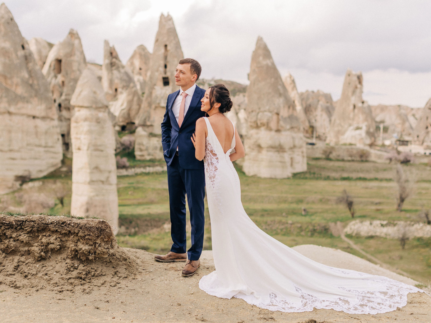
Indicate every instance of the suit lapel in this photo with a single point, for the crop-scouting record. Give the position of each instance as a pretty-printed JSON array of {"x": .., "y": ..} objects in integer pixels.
[
  {"x": 195, "y": 100},
  {"x": 171, "y": 104}
]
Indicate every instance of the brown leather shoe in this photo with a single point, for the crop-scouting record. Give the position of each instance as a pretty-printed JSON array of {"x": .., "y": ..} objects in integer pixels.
[
  {"x": 171, "y": 257},
  {"x": 191, "y": 268}
]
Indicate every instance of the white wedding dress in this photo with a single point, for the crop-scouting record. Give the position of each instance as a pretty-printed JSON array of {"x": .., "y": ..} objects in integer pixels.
[{"x": 255, "y": 267}]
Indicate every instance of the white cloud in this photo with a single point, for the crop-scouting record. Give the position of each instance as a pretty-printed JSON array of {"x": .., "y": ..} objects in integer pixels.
[{"x": 389, "y": 40}]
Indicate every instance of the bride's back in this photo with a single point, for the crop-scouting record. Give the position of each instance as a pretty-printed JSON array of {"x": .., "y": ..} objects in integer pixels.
[{"x": 223, "y": 129}]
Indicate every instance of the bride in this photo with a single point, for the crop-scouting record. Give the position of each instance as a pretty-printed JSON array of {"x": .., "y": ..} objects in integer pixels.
[{"x": 252, "y": 265}]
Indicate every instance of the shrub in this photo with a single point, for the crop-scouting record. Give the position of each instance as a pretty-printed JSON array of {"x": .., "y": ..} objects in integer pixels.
[
  {"x": 328, "y": 151},
  {"x": 402, "y": 235},
  {"x": 392, "y": 156},
  {"x": 364, "y": 155},
  {"x": 425, "y": 215},
  {"x": 405, "y": 186},
  {"x": 405, "y": 157},
  {"x": 122, "y": 162},
  {"x": 60, "y": 192},
  {"x": 127, "y": 143},
  {"x": 348, "y": 201}
]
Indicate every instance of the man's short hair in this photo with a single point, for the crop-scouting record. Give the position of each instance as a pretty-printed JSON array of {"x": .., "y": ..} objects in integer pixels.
[{"x": 195, "y": 67}]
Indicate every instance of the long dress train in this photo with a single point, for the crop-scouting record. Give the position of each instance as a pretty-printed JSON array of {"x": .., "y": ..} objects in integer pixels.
[{"x": 255, "y": 267}]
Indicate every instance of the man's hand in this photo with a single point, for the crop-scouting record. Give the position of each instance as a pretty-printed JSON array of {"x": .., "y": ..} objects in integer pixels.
[{"x": 194, "y": 140}]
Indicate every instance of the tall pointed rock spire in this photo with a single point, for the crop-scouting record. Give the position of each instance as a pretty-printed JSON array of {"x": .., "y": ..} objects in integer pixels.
[
  {"x": 274, "y": 144},
  {"x": 30, "y": 140}
]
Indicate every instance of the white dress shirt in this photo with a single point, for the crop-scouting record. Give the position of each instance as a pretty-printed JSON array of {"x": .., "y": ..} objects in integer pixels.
[{"x": 177, "y": 103}]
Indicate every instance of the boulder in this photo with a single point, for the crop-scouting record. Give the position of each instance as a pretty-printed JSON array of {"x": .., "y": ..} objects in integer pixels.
[
  {"x": 422, "y": 131},
  {"x": 64, "y": 65},
  {"x": 94, "y": 171},
  {"x": 352, "y": 122},
  {"x": 40, "y": 48},
  {"x": 319, "y": 109},
  {"x": 392, "y": 122},
  {"x": 274, "y": 145},
  {"x": 139, "y": 64},
  {"x": 290, "y": 84},
  {"x": 30, "y": 142},
  {"x": 120, "y": 88}
]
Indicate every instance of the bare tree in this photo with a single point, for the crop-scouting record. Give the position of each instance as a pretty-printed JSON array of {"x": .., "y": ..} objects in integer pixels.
[
  {"x": 122, "y": 162},
  {"x": 425, "y": 215},
  {"x": 61, "y": 191},
  {"x": 405, "y": 186},
  {"x": 346, "y": 200},
  {"x": 328, "y": 151},
  {"x": 403, "y": 235}
]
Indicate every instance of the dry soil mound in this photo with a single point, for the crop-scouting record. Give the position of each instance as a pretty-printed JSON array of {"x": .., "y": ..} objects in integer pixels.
[{"x": 60, "y": 253}]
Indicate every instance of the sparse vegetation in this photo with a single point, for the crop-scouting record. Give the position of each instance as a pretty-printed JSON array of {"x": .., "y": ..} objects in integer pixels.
[
  {"x": 328, "y": 151},
  {"x": 347, "y": 200},
  {"x": 122, "y": 162},
  {"x": 425, "y": 215},
  {"x": 403, "y": 236},
  {"x": 60, "y": 191},
  {"x": 405, "y": 186}
]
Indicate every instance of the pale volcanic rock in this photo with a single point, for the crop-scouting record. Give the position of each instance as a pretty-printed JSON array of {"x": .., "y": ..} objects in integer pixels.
[
  {"x": 393, "y": 120},
  {"x": 64, "y": 65},
  {"x": 274, "y": 144},
  {"x": 166, "y": 54},
  {"x": 40, "y": 48},
  {"x": 30, "y": 142},
  {"x": 422, "y": 131},
  {"x": 290, "y": 84},
  {"x": 120, "y": 88},
  {"x": 139, "y": 64},
  {"x": 319, "y": 109},
  {"x": 352, "y": 122},
  {"x": 147, "y": 146},
  {"x": 94, "y": 176}
]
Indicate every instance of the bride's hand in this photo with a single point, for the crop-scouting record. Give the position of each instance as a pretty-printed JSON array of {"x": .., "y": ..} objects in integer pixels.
[{"x": 194, "y": 140}]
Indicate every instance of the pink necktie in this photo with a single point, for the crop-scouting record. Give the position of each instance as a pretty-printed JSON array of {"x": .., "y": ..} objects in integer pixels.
[{"x": 182, "y": 108}]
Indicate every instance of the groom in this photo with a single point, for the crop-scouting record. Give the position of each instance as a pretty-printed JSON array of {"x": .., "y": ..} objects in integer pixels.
[{"x": 186, "y": 174}]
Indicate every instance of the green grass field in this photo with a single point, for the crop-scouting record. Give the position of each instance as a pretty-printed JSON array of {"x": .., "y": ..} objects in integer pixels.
[{"x": 275, "y": 205}]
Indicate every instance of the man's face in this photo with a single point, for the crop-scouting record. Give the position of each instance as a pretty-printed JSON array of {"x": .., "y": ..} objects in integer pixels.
[{"x": 184, "y": 76}]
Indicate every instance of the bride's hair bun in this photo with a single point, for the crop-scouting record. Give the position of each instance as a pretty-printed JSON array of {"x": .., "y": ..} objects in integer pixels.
[{"x": 220, "y": 94}]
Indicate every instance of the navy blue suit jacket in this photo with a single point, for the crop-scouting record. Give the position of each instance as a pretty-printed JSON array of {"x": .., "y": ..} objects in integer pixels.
[{"x": 173, "y": 136}]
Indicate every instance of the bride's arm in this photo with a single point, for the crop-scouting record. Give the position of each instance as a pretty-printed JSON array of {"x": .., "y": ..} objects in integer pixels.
[
  {"x": 239, "y": 148},
  {"x": 198, "y": 139}
]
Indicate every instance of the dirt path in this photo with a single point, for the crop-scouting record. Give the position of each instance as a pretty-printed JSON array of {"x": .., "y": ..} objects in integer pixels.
[{"x": 373, "y": 259}]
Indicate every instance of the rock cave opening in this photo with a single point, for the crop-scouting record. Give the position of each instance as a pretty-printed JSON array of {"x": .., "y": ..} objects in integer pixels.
[{"x": 57, "y": 66}]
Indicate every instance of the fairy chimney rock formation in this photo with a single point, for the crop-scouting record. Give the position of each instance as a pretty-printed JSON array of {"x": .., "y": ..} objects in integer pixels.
[
  {"x": 30, "y": 143},
  {"x": 274, "y": 144},
  {"x": 290, "y": 84},
  {"x": 160, "y": 83},
  {"x": 40, "y": 48},
  {"x": 319, "y": 109},
  {"x": 139, "y": 64},
  {"x": 120, "y": 88},
  {"x": 94, "y": 176},
  {"x": 353, "y": 121},
  {"x": 166, "y": 54},
  {"x": 422, "y": 131},
  {"x": 64, "y": 65}
]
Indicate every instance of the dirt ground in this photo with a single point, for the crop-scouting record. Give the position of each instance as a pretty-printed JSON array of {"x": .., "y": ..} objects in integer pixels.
[
  {"x": 158, "y": 293},
  {"x": 57, "y": 269}
]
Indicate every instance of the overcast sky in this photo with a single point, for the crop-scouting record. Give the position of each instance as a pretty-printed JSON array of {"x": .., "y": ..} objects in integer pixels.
[{"x": 316, "y": 40}]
